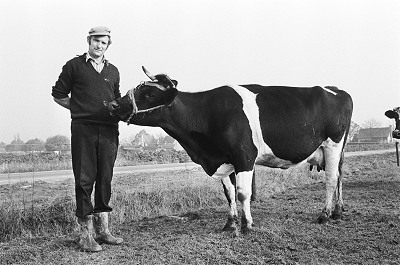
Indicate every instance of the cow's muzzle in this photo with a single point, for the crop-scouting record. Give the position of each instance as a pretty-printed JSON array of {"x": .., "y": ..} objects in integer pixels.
[{"x": 396, "y": 134}]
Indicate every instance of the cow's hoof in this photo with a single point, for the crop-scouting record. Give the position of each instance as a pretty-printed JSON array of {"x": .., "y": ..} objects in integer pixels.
[
  {"x": 231, "y": 225},
  {"x": 228, "y": 228},
  {"x": 322, "y": 219},
  {"x": 246, "y": 226},
  {"x": 231, "y": 231},
  {"x": 246, "y": 230},
  {"x": 337, "y": 214}
]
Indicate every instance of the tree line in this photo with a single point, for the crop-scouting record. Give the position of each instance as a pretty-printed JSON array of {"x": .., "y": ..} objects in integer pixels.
[
  {"x": 62, "y": 143},
  {"x": 54, "y": 143}
]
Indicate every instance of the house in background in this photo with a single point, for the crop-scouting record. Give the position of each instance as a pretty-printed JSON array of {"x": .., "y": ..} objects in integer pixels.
[
  {"x": 375, "y": 135},
  {"x": 170, "y": 143},
  {"x": 148, "y": 142}
]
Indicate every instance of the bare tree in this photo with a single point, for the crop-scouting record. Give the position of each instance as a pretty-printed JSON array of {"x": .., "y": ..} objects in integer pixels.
[
  {"x": 371, "y": 123},
  {"x": 354, "y": 129}
]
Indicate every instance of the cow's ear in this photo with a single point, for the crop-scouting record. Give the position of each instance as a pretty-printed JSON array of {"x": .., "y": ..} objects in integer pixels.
[
  {"x": 175, "y": 82},
  {"x": 392, "y": 114}
]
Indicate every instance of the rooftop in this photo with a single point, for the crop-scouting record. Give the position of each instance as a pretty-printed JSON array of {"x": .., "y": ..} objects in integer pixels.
[{"x": 382, "y": 132}]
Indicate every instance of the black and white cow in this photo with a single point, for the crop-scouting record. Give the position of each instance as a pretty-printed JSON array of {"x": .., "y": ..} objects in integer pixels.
[
  {"x": 395, "y": 114},
  {"x": 231, "y": 128}
]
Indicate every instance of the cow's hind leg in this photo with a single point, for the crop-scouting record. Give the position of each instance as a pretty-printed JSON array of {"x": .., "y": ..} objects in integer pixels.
[
  {"x": 229, "y": 184},
  {"x": 332, "y": 154},
  {"x": 244, "y": 180}
]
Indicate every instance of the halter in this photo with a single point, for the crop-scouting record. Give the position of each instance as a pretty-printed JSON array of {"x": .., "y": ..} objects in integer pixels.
[{"x": 131, "y": 95}]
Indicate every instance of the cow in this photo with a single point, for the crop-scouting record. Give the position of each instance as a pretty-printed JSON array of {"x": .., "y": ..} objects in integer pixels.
[
  {"x": 230, "y": 129},
  {"x": 395, "y": 114}
]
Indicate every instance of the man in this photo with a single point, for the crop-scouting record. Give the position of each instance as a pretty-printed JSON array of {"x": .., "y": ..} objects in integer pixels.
[{"x": 90, "y": 80}]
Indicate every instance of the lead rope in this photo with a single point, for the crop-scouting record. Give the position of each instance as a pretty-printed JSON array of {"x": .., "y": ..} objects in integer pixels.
[{"x": 131, "y": 94}]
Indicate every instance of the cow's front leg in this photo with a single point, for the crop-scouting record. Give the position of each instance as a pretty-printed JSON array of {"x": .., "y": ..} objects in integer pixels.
[
  {"x": 243, "y": 183},
  {"x": 229, "y": 184}
]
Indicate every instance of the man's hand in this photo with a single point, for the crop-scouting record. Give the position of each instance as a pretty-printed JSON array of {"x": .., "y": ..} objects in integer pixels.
[
  {"x": 113, "y": 105},
  {"x": 65, "y": 102}
]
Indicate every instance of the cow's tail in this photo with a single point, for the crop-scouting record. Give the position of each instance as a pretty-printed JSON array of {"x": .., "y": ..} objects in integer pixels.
[
  {"x": 348, "y": 114},
  {"x": 340, "y": 166},
  {"x": 342, "y": 155}
]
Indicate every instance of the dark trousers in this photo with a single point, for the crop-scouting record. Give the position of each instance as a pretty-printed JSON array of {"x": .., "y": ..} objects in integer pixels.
[{"x": 94, "y": 150}]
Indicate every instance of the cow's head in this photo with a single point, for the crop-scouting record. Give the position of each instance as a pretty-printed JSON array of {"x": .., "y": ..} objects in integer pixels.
[
  {"x": 394, "y": 114},
  {"x": 147, "y": 96}
]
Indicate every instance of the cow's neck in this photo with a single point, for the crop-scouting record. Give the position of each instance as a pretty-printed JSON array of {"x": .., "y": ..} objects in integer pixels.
[{"x": 182, "y": 122}]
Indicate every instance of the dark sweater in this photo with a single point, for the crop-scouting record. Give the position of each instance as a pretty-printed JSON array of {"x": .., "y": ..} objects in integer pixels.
[{"x": 88, "y": 90}]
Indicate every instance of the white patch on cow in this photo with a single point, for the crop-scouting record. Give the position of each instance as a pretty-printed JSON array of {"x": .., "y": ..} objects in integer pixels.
[
  {"x": 243, "y": 184},
  {"x": 330, "y": 91},
  {"x": 332, "y": 155},
  {"x": 265, "y": 155},
  {"x": 251, "y": 111},
  {"x": 223, "y": 171}
]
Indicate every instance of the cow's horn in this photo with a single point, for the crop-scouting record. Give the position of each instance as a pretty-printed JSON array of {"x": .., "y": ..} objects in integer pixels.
[{"x": 152, "y": 77}]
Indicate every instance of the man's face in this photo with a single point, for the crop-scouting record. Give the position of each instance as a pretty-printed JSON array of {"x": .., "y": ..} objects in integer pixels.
[{"x": 98, "y": 46}]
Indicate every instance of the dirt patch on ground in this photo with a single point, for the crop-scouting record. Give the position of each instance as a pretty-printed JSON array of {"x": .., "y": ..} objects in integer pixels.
[{"x": 285, "y": 230}]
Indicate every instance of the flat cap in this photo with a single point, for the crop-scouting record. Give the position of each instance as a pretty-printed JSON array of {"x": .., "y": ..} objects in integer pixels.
[{"x": 103, "y": 31}]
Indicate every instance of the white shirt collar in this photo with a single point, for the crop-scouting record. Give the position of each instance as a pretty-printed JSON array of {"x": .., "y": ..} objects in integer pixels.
[{"x": 88, "y": 57}]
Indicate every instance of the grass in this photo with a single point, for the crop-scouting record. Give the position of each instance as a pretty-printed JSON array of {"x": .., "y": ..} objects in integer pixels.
[
  {"x": 42, "y": 208},
  {"x": 355, "y": 147},
  {"x": 33, "y": 216},
  {"x": 17, "y": 167},
  {"x": 176, "y": 218}
]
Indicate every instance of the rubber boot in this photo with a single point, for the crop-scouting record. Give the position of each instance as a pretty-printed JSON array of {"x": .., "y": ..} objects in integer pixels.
[
  {"x": 86, "y": 241},
  {"x": 103, "y": 234}
]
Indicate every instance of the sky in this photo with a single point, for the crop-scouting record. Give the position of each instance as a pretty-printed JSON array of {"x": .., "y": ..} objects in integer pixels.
[{"x": 351, "y": 44}]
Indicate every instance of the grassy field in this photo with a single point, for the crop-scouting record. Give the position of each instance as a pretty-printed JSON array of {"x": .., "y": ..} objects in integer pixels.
[{"x": 177, "y": 217}]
